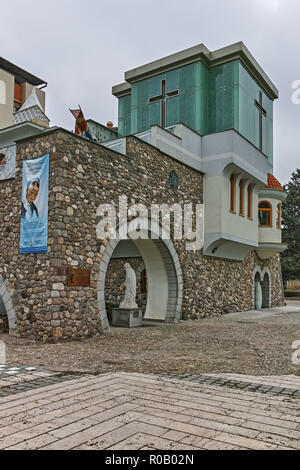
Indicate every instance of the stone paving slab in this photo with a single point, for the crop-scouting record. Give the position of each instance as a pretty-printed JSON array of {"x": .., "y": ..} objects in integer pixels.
[
  {"x": 284, "y": 381},
  {"x": 131, "y": 411}
]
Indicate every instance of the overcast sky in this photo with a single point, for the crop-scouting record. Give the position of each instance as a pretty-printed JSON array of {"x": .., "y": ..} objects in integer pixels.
[{"x": 83, "y": 47}]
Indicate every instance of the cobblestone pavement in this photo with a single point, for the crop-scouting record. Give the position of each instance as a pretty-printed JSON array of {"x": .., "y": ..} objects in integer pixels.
[
  {"x": 14, "y": 380},
  {"x": 128, "y": 411},
  {"x": 255, "y": 343}
]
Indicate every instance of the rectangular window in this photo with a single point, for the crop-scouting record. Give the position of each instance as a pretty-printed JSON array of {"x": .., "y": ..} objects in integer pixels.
[
  {"x": 18, "y": 93},
  {"x": 242, "y": 188},
  {"x": 279, "y": 216},
  {"x": 265, "y": 214},
  {"x": 232, "y": 193}
]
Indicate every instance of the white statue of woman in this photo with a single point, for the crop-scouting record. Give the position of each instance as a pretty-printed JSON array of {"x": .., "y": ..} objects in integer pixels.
[
  {"x": 130, "y": 293},
  {"x": 258, "y": 296}
]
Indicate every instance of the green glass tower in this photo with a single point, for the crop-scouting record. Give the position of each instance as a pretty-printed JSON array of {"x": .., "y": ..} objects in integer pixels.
[{"x": 207, "y": 91}]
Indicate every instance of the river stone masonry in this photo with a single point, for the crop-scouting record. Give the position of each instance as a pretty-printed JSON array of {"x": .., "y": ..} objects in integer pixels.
[{"x": 84, "y": 174}]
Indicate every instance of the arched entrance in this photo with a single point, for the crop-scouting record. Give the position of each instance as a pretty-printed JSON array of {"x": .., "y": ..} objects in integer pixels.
[
  {"x": 265, "y": 285},
  {"x": 6, "y": 308},
  {"x": 258, "y": 292},
  {"x": 263, "y": 290},
  {"x": 164, "y": 278}
]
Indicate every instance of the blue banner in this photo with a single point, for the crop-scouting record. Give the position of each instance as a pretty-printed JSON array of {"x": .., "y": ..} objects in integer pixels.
[{"x": 34, "y": 214}]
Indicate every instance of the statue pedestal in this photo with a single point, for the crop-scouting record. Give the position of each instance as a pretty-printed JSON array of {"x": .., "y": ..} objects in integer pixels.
[{"x": 127, "y": 318}]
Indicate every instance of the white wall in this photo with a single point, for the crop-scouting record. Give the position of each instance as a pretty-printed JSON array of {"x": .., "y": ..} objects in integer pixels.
[
  {"x": 158, "y": 292},
  {"x": 7, "y": 83}
]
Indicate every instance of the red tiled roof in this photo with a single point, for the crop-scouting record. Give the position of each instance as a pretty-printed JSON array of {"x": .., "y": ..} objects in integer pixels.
[{"x": 273, "y": 183}]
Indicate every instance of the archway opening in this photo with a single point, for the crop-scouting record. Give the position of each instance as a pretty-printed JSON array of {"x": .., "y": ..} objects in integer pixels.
[
  {"x": 125, "y": 252},
  {"x": 157, "y": 267},
  {"x": 266, "y": 291},
  {"x": 7, "y": 312},
  {"x": 262, "y": 288},
  {"x": 257, "y": 292}
]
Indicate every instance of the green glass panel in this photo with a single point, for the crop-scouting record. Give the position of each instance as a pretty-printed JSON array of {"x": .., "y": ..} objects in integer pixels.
[
  {"x": 249, "y": 114},
  {"x": 190, "y": 107},
  {"x": 222, "y": 96},
  {"x": 124, "y": 115},
  {"x": 210, "y": 100}
]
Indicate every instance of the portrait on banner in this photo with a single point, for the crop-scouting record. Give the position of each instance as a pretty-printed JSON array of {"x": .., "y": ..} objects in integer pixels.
[{"x": 34, "y": 206}]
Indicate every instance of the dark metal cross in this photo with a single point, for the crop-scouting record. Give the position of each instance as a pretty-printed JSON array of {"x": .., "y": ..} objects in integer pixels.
[
  {"x": 163, "y": 101},
  {"x": 262, "y": 112}
]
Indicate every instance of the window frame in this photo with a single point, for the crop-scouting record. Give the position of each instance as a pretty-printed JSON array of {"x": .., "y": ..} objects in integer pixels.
[
  {"x": 242, "y": 197},
  {"x": 250, "y": 201},
  {"x": 269, "y": 210},
  {"x": 233, "y": 193},
  {"x": 279, "y": 216}
]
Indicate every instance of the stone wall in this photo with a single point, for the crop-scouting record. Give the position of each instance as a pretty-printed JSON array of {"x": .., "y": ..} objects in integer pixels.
[{"x": 82, "y": 176}]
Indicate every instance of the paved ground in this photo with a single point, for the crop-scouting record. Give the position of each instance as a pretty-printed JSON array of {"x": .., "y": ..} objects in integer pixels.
[
  {"x": 120, "y": 411},
  {"x": 195, "y": 398},
  {"x": 256, "y": 343}
]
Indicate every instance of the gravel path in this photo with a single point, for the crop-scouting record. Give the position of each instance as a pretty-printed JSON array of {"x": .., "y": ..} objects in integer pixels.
[{"x": 213, "y": 345}]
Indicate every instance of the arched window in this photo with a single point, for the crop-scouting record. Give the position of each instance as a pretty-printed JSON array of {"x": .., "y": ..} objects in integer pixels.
[
  {"x": 242, "y": 197},
  {"x": 250, "y": 199},
  {"x": 265, "y": 214},
  {"x": 173, "y": 181},
  {"x": 232, "y": 193},
  {"x": 278, "y": 222}
]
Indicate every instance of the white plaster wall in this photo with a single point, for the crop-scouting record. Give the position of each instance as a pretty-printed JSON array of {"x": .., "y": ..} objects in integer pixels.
[
  {"x": 2, "y": 92},
  {"x": 213, "y": 204},
  {"x": 7, "y": 101},
  {"x": 157, "y": 280},
  {"x": 219, "y": 219},
  {"x": 235, "y": 224}
]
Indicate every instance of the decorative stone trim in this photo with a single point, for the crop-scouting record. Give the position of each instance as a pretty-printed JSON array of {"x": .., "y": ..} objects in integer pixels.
[
  {"x": 11, "y": 314},
  {"x": 174, "y": 274}
]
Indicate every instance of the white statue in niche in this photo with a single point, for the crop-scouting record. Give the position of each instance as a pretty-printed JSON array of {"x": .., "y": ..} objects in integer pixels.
[
  {"x": 258, "y": 296},
  {"x": 130, "y": 293}
]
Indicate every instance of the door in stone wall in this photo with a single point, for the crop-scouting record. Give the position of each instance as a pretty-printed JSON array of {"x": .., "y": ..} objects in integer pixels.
[
  {"x": 265, "y": 285},
  {"x": 257, "y": 292}
]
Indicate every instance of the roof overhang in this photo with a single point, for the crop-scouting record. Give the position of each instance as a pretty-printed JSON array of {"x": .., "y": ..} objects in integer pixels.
[
  {"x": 20, "y": 75},
  {"x": 122, "y": 89},
  {"x": 19, "y": 131},
  {"x": 209, "y": 58},
  {"x": 273, "y": 193}
]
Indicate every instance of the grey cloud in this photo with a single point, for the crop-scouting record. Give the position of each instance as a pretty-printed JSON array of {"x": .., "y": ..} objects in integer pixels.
[{"x": 82, "y": 48}]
